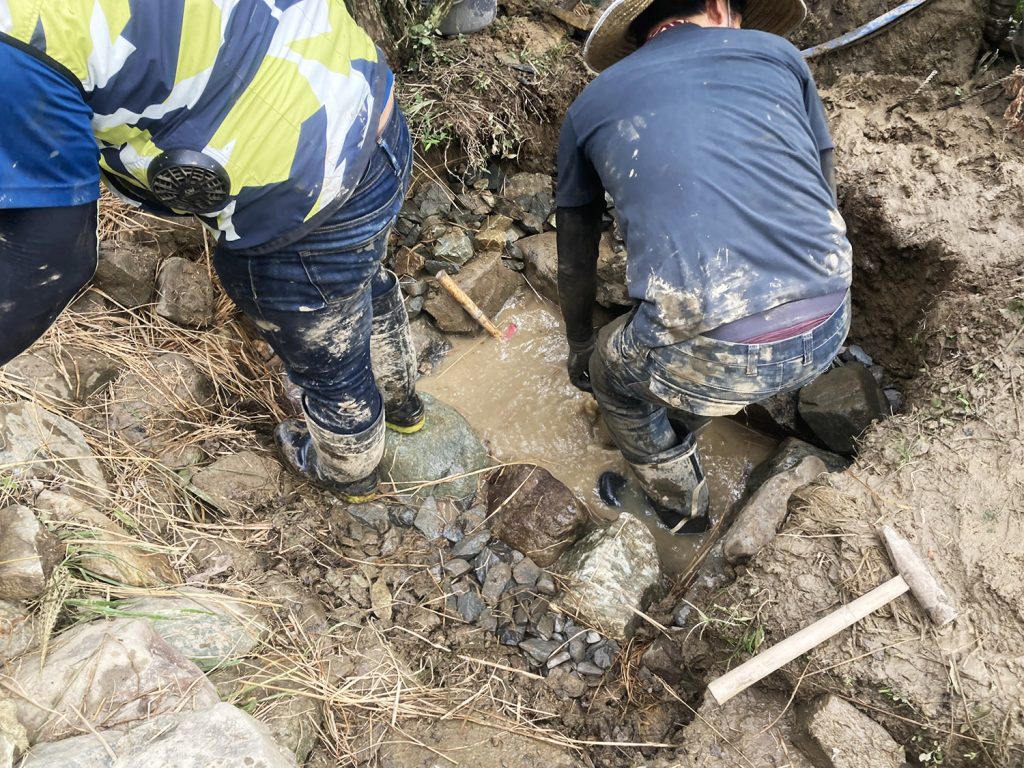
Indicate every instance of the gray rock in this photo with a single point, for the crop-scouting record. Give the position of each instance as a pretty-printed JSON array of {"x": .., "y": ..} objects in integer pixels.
[
  {"x": 117, "y": 671},
  {"x": 534, "y": 512},
  {"x": 791, "y": 452},
  {"x": 209, "y": 628},
  {"x": 301, "y": 608},
  {"x": 610, "y": 573},
  {"x": 35, "y": 443},
  {"x": 546, "y": 584},
  {"x": 855, "y": 353},
  {"x": 486, "y": 281},
  {"x": 239, "y": 481},
  {"x": 457, "y": 567},
  {"x": 604, "y": 656},
  {"x": 13, "y": 739},
  {"x": 840, "y": 404},
  {"x": 37, "y": 372},
  {"x": 526, "y": 572},
  {"x": 223, "y": 735},
  {"x": 414, "y": 288},
  {"x": 88, "y": 370},
  {"x": 17, "y": 631},
  {"x": 430, "y": 344},
  {"x": 777, "y": 415},
  {"x": 28, "y": 554},
  {"x": 540, "y": 253},
  {"x": 414, "y": 307},
  {"x": 593, "y": 637},
  {"x": 498, "y": 577},
  {"x": 446, "y": 447},
  {"x": 472, "y": 545},
  {"x": 761, "y": 516},
  {"x": 153, "y": 405},
  {"x": 184, "y": 293},
  {"x": 429, "y": 743},
  {"x": 434, "y": 517},
  {"x": 836, "y": 734},
  {"x": 454, "y": 247},
  {"x": 895, "y": 399},
  {"x": 467, "y": 17},
  {"x": 529, "y": 199},
  {"x": 565, "y": 683},
  {"x": 545, "y": 626},
  {"x": 372, "y": 515},
  {"x": 433, "y": 198},
  {"x": 663, "y": 659},
  {"x": 578, "y": 649},
  {"x": 407, "y": 262},
  {"x": 127, "y": 273},
  {"x": 540, "y": 650},
  {"x": 105, "y": 548},
  {"x": 470, "y": 605}
]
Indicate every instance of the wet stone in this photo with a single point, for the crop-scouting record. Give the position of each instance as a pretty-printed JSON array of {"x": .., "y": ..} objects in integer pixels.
[
  {"x": 454, "y": 247},
  {"x": 498, "y": 578},
  {"x": 487, "y": 282},
  {"x": 414, "y": 307},
  {"x": 472, "y": 545},
  {"x": 404, "y": 517},
  {"x": 526, "y": 572}
]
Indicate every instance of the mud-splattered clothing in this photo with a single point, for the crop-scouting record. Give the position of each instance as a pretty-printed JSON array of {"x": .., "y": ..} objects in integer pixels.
[
  {"x": 709, "y": 141},
  {"x": 286, "y": 95}
]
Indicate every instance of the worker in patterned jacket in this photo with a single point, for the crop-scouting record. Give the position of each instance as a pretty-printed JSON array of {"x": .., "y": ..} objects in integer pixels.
[{"x": 273, "y": 122}]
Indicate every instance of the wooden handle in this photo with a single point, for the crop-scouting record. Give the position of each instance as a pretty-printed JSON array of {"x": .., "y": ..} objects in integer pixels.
[
  {"x": 467, "y": 304},
  {"x": 749, "y": 672}
]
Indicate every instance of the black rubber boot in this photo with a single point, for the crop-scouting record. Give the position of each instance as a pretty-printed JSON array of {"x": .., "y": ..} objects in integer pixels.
[
  {"x": 346, "y": 465},
  {"x": 676, "y": 487},
  {"x": 394, "y": 363}
]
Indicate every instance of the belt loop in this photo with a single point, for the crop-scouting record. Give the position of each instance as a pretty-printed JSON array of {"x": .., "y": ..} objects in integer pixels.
[
  {"x": 808, "y": 347},
  {"x": 753, "y": 352}
]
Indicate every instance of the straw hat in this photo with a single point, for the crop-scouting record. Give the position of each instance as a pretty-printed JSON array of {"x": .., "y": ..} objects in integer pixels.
[{"x": 610, "y": 39}]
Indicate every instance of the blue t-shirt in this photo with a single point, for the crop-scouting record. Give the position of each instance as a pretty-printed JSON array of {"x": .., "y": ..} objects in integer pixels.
[
  {"x": 709, "y": 141},
  {"x": 48, "y": 155}
]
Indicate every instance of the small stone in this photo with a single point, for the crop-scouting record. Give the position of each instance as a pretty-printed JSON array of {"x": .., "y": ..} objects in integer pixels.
[
  {"x": 470, "y": 606},
  {"x": 856, "y": 353},
  {"x": 408, "y": 262},
  {"x": 414, "y": 288},
  {"x": 414, "y": 306},
  {"x": 546, "y": 626},
  {"x": 510, "y": 634},
  {"x": 791, "y": 452},
  {"x": 664, "y": 659},
  {"x": 457, "y": 567},
  {"x": 546, "y": 584},
  {"x": 589, "y": 668},
  {"x": 593, "y": 637},
  {"x": 433, "y": 198},
  {"x": 558, "y": 659},
  {"x": 578, "y": 649},
  {"x": 495, "y": 235},
  {"x": 428, "y": 519},
  {"x": 472, "y": 545},
  {"x": 433, "y": 266},
  {"x": 539, "y": 650},
  {"x": 526, "y": 572},
  {"x": 604, "y": 656},
  {"x": 895, "y": 399},
  {"x": 38, "y": 371},
  {"x": 372, "y": 515},
  {"x": 454, "y": 247},
  {"x": 520, "y": 615},
  {"x": 488, "y": 622},
  {"x": 498, "y": 578},
  {"x": 127, "y": 274},
  {"x": 381, "y": 601}
]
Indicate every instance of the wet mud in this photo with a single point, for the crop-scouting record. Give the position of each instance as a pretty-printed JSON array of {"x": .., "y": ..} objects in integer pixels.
[{"x": 516, "y": 394}]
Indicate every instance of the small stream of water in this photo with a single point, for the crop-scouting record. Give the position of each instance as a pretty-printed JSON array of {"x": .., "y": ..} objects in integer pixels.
[{"x": 518, "y": 398}]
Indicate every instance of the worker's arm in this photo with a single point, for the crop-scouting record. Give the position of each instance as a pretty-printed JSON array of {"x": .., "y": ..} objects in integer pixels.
[
  {"x": 47, "y": 255},
  {"x": 828, "y": 170},
  {"x": 578, "y": 237}
]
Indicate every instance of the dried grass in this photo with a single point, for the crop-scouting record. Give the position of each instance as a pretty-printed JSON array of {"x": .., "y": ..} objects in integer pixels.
[{"x": 1014, "y": 114}]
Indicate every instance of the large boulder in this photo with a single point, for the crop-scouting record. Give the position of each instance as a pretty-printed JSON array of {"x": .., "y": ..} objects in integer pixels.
[
  {"x": 791, "y": 452},
  {"x": 239, "y": 481},
  {"x": 104, "y": 674},
  {"x": 35, "y": 443},
  {"x": 540, "y": 253},
  {"x": 28, "y": 554},
  {"x": 426, "y": 744},
  {"x": 208, "y": 628},
  {"x": 840, "y": 404},
  {"x": 184, "y": 293},
  {"x": 17, "y": 631},
  {"x": 103, "y": 547},
  {"x": 534, "y": 512},
  {"x": 610, "y": 574},
  {"x": 756, "y": 524},
  {"x": 486, "y": 281},
  {"x": 127, "y": 273},
  {"x": 445, "y": 450},
  {"x": 836, "y": 734},
  {"x": 223, "y": 736}
]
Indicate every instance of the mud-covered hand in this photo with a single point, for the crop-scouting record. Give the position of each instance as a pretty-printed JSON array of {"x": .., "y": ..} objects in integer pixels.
[{"x": 579, "y": 363}]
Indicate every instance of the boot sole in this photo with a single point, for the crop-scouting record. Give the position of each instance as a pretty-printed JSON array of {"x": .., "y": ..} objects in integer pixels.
[{"x": 406, "y": 429}]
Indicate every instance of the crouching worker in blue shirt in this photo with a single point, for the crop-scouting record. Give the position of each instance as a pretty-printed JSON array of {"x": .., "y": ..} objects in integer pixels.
[
  {"x": 708, "y": 133},
  {"x": 274, "y": 123}
]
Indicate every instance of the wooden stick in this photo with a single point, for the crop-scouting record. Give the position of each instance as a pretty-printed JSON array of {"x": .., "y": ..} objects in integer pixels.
[
  {"x": 749, "y": 672},
  {"x": 467, "y": 304}
]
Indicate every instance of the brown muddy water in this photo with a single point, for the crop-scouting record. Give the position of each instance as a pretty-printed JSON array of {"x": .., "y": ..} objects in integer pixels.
[{"x": 518, "y": 398}]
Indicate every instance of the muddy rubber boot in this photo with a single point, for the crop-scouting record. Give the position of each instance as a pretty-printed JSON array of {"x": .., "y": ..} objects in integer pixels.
[
  {"x": 393, "y": 358},
  {"x": 676, "y": 487},
  {"x": 346, "y": 465}
]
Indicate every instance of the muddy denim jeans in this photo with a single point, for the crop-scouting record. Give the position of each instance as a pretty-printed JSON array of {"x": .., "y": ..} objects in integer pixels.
[
  {"x": 701, "y": 377},
  {"x": 312, "y": 301}
]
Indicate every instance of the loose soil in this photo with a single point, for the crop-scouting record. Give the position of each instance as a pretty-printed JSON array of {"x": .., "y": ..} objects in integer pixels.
[{"x": 933, "y": 199}]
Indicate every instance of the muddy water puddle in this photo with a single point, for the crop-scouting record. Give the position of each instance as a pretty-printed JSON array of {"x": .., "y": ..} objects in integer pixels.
[{"x": 518, "y": 398}]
